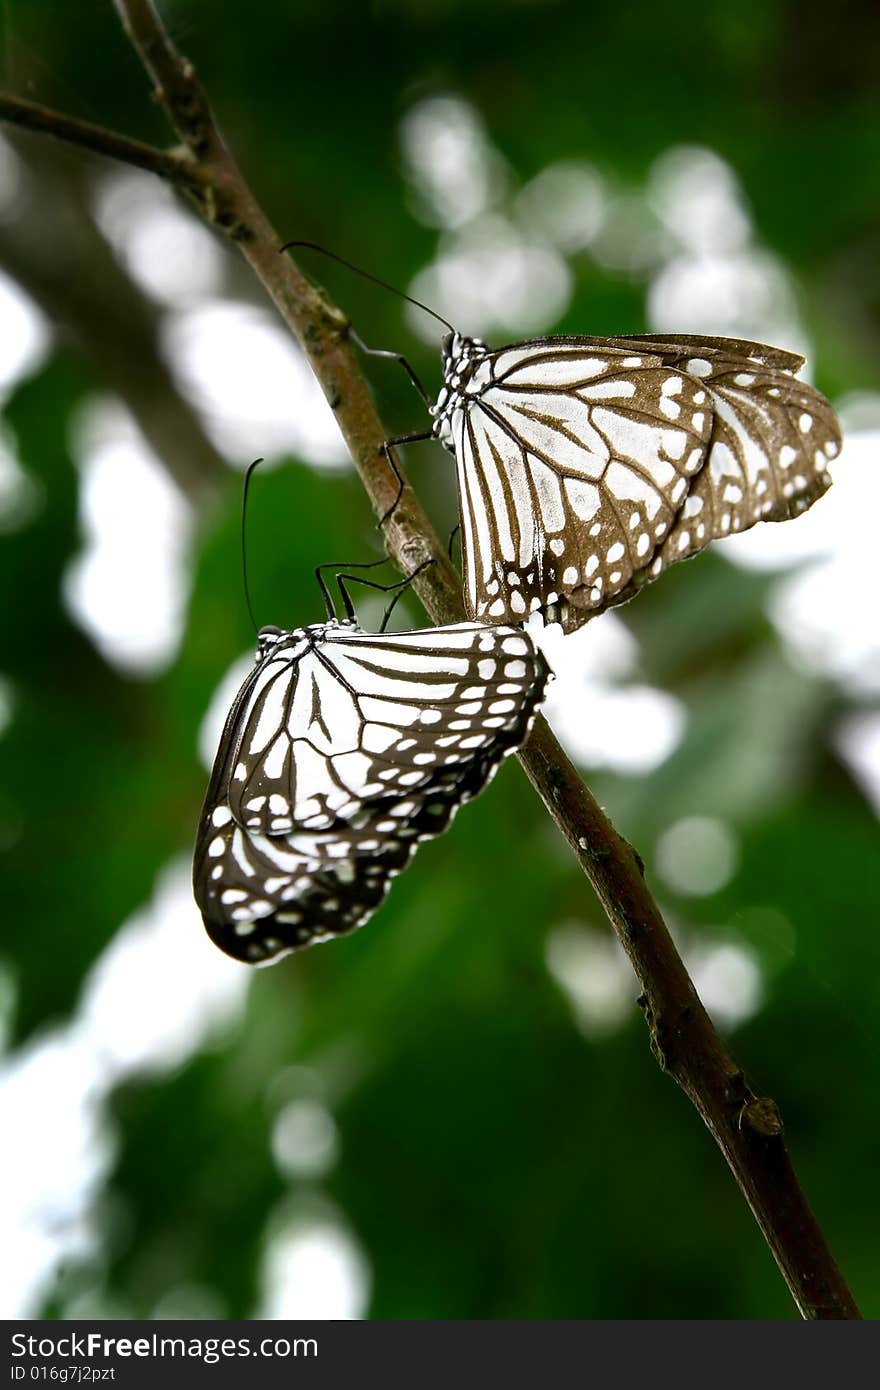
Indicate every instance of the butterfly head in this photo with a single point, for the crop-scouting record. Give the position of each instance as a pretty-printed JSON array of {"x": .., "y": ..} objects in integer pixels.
[
  {"x": 268, "y": 638},
  {"x": 459, "y": 353},
  {"x": 461, "y": 357},
  {"x": 450, "y": 349},
  {"x": 271, "y": 641}
]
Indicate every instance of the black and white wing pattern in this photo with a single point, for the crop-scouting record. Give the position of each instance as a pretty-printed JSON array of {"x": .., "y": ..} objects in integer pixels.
[
  {"x": 772, "y": 440},
  {"x": 342, "y": 751},
  {"x": 587, "y": 465}
]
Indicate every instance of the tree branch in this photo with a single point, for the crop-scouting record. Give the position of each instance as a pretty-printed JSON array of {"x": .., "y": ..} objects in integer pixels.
[
  {"x": 746, "y": 1127},
  {"x": 168, "y": 164}
]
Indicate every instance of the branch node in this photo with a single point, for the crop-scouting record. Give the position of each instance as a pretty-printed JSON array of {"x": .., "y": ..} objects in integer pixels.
[
  {"x": 762, "y": 1116},
  {"x": 415, "y": 552}
]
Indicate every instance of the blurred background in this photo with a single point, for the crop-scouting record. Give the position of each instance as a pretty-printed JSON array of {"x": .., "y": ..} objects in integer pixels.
[{"x": 453, "y": 1113}]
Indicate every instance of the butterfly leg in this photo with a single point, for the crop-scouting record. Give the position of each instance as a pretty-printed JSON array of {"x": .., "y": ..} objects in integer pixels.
[
  {"x": 385, "y": 448},
  {"x": 456, "y": 531},
  {"x": 339, "y": 565},
  {"x": 404, "y": 439},
  {"x": 400, "y": 585},
  {"x": 401, "y": 590}
]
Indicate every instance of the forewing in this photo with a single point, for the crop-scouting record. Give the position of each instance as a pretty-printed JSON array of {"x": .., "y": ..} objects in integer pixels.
[
  {"x": 297, "y": 715},
  {"x": 671, "y": 345},
  {"x": 574, "y": 460},
  {"x": 431, "y": 699},
  {"x": 362, "y": 716}
]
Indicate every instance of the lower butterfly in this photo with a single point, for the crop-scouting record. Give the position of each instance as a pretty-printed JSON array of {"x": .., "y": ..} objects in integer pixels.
[{"x": 342, "y": 751}]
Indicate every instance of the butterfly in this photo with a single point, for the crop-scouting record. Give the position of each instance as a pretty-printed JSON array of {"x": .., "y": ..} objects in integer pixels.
[
  {"x": 586, "y": 466},
  {"x": 342, "y": 751}
]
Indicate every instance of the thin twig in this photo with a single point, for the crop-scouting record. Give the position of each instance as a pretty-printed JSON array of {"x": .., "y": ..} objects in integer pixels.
[
  {"x": 172, "y": 76},
  {"x": 746, "y": 1127},
  {"x": 168, "y": 164}
]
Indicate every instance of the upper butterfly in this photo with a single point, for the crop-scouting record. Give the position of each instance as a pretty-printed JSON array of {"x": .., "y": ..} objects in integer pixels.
[
  {"x": 587, "y": 465},
  {"x": 343, "y": 749}
]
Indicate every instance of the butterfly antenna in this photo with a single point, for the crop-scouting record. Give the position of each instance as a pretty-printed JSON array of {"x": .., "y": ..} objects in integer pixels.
[
  {"x": 244, "y": 573},
  {"x": 365, "y": 274}
]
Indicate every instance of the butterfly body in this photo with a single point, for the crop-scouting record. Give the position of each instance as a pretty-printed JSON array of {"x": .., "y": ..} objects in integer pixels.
[
  {"x": 342, "y": 751},
  {"x": 586, "y": 465}
]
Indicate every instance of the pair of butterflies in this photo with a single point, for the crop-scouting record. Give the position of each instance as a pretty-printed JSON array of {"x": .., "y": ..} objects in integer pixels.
[{"x": 585, "y": 467}]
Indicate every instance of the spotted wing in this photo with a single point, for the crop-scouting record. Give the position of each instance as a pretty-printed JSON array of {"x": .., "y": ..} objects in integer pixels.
[
  {"x": 451, "y": 704},
  {"x": 772, "y": 440},
  {"x": 362, "y": 716},
  {"x": 574, "y": 459},
  {"x": 262, "y": 896},
  {"x": 582, "y": 463}
]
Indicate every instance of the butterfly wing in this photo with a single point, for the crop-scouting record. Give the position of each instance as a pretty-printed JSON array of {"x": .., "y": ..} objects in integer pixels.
[
  {"x": 296, "y": 744},
  {"x": 262, "y": 896},
  {"x": 450, "y": 704},
  {"x": 573, "y": 464},
  {"x": 582, "y": 463},
  {"x": 356, "y": 717},
  {"x": 680, "y": 344},
  {"x": 772, "y": 440}
]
